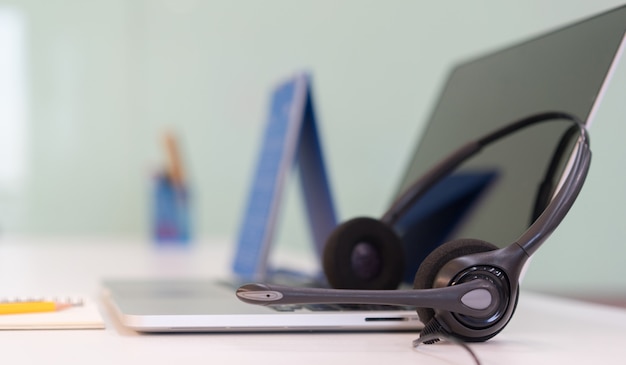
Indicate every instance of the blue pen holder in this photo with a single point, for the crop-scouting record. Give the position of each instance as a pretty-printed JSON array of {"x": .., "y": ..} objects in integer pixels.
[{"x": 171, "y": 221}]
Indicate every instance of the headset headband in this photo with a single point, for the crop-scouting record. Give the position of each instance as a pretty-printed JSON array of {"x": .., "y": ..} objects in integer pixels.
[{"x": 554, "y": 212}]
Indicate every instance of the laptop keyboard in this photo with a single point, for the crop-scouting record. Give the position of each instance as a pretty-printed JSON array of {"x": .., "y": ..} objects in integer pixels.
[{"x": 339, "y": 307}]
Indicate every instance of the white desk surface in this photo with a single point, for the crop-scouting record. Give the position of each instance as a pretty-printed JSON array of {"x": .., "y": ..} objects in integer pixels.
[{"x": 544, "y": 330}]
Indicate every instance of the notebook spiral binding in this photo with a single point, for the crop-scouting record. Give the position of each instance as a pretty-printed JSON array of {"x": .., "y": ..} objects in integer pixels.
[{"x": 72, "y": 300}]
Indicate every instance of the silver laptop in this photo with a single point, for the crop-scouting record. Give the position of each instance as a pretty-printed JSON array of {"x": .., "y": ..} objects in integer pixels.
[
  {"x": 566, "y": 70},
  {"x": 211, "y": 306}
]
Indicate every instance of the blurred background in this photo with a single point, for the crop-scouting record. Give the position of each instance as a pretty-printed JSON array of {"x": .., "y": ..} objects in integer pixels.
[{"x": 87, "y": 89}]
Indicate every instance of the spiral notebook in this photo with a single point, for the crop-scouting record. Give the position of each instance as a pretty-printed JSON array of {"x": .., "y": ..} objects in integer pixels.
[{"x": 83, "y": 316}]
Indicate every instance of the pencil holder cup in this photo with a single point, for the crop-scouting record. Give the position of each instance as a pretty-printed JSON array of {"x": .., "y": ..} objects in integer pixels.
[{"x": 171, "y": 212}]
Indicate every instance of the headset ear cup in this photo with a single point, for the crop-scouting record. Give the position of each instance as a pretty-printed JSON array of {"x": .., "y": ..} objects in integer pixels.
[
  {"x": 363, "y": 253},
  {"x": 428, "y": 270}
]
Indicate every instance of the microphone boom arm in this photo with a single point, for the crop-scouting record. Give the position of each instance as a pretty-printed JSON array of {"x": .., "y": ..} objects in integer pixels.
[{"x": 476, "y": 298}]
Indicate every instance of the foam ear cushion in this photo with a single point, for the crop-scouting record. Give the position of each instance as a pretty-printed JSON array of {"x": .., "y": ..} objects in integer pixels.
[
  {"x": 363, "y": 253},
  {"x": 428, "y": 270}
]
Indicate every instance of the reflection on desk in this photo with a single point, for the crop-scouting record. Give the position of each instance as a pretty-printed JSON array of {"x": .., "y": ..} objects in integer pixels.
[{"x": 544, "y": 330}]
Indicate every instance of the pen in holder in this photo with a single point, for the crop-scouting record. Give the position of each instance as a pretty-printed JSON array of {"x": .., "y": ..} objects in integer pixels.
[{"x": 171, "y": 220}]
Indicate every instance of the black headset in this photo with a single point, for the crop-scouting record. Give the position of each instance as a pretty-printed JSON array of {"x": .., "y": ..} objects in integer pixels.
[{"x": 466, "y": 288}]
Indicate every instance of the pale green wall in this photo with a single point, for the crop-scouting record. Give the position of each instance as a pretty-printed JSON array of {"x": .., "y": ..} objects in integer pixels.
[{"x": 105, "y": 77}]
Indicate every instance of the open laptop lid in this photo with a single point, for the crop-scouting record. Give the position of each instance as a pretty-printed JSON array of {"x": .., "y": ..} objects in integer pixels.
[{"x": 566, "y": 70}]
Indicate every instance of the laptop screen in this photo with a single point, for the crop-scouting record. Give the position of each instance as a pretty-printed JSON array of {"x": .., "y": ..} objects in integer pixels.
[{"x": 492, "y": 197}]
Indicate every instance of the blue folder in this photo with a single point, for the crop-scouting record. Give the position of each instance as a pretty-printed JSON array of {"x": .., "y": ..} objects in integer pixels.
[{"x": 291, "y": 140}]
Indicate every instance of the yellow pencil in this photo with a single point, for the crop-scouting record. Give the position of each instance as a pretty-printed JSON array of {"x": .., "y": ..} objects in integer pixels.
[
  {"x": 32, "y": 307},
  {"x": 175, "y": 170}
]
